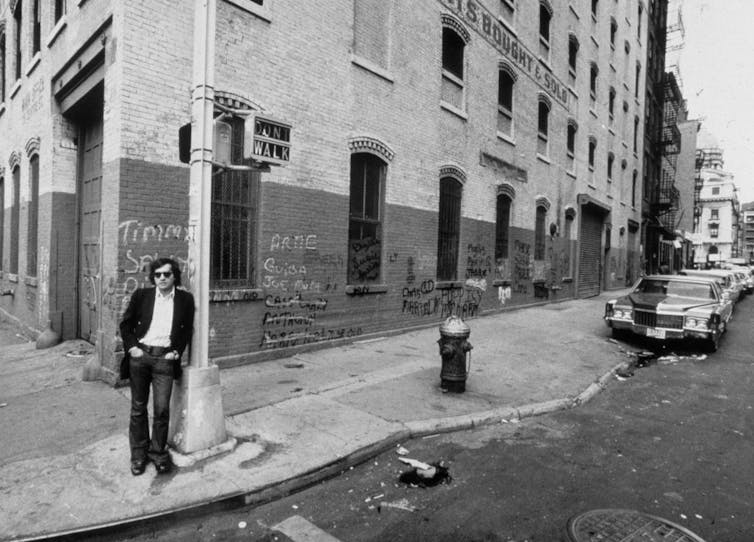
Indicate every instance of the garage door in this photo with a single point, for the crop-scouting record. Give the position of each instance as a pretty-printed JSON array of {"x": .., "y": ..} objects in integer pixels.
[{"x": 590, "y": 262}]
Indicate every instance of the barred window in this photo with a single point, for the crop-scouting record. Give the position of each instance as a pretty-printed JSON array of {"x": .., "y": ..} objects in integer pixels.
[
  {"x": 502, "y": 226},
  {"x": 539, "y": 233},
  {"x": 449, "y": 229},
  {"x": 234, "y": 215},
  {"x": 33, "y": 212},
  {"x": 365, "y": 218},
  {"x": 14, "y": 220},
  {"x": 2, "y": 66},
  {"x": 506, "y": 82}
]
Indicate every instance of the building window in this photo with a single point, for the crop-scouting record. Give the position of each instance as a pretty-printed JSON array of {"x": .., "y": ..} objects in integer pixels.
[
  {"x": 14, "y": 220},
  {"x": 636, "y": 83},
  {"x": 594, "y": 9},
  {"x": 715, "y": 190},
  {"x": 449, "y": 228},
  {"x": 17, "y": 18},
  {"x": 611, "y": 105},
  {"x": 36, "y": 27},
  {"x": 592, "y": 151},
  {"x": 506, "y": 82},
  {"x": 714, "y": 214},
  {"x": 545, "y": 17},
  {"x": 638, "y": 21},
  {"x": 233, "y": 220},
  {"x": 32, "y": 214},
  {"x": 365, "y": 218},
  {"x": 633, "y": 188},
  {"x": 571, "y": 138},
  {"x": 508, "y": 11},
  {"x": 543, "y": 120},
  {"x": 636, "y": 134},
  {"x": 2, "y": 66},
  {"x": 502, "y": 227},
  {"x": 371, "y": 30},
  {"x": 613, "y": 32},
  {"x": 453, "y": 47},
  {"x": 59, "y": 9},
  {"x": 593, "y": 74},
  {"x": 713, "y": 230},
  {"x": 610, "y": 162},
  {"x": 573, "y": 53},
  {"x": 539, "y": 233}
]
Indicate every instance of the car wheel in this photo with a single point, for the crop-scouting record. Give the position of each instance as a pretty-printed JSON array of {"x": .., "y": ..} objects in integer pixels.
[{"x": 619, "y": 334}]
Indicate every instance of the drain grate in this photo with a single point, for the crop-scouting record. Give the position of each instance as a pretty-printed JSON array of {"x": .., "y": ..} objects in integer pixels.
[{"x": 611, "y": 525}]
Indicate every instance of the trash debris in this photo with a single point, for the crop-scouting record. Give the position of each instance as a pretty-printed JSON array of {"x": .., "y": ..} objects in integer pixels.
[
  {"x": 3, "y": 405},
  {"x": 78, "y": 353},
  {"x": 645, "y": 358},
  {"x": 241, "y": 524},
  {"x": 293, "y": 365},
  {"x": 424, "y": 474},
  {"x": 401, "y": 504},
  {"x": 623, "y": 373},
  {"x": 666, "y": 360},
  {"x": 401, "y": 450}
]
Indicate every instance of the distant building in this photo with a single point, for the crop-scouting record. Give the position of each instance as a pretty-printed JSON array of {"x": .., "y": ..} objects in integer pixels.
[
  {"x": 717, "y": 229},
  {"x": 686, "y": 185},
  {"x": 747, "y": 219}
]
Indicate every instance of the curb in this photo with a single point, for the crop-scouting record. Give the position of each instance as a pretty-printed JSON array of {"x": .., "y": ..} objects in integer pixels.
[{"x": 416, "y": 429}]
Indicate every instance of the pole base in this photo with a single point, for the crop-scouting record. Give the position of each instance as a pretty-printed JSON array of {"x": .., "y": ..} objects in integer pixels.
[
  {"x": 453, "y": 386},
  {"x": 196, "y": 411}
]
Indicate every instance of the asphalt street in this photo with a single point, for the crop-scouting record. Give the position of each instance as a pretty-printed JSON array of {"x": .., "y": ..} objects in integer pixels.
[{"x": 673, "y": 439}]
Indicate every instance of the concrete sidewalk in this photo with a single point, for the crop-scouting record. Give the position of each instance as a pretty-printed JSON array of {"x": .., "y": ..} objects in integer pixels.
[{"x": 65, "y": 463}]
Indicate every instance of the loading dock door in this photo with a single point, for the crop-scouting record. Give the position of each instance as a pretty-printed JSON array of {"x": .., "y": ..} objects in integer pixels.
[
  {"x": 90, "y": 211},
  {"x": 590, "y": 259}
]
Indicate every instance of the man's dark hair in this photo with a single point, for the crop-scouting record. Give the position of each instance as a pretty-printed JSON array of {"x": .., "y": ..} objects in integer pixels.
[{"x": 159, "y": 262}]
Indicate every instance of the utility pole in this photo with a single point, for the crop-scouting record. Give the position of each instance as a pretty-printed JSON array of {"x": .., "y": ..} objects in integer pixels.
[{"x": 197, "y": 415}]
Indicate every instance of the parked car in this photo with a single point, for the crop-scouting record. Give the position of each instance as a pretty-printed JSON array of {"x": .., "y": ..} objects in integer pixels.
[
  {"x": 667, "y": 307},
  {"x": 731, "y": 283},
  {"x": 745, "y": 273}
]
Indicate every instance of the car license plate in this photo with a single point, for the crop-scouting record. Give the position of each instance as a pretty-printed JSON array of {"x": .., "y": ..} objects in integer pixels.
[{"x": 656, "y": 333}]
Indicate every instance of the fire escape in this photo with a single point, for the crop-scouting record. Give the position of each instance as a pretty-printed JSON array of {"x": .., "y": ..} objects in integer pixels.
[
  {"x": 666, "y": 196},
  {"x": 698, "y": 183}
]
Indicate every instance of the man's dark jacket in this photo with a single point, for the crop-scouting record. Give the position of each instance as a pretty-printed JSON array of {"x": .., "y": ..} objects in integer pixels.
[{"x": 138, "y": 316}]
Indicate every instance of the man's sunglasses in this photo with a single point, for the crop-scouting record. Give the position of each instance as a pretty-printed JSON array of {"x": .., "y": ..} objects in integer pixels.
[{"x": 166, "y": 274}]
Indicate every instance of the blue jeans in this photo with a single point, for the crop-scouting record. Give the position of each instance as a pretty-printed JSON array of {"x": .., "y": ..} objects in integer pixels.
[{"x": 156, "y": 372}]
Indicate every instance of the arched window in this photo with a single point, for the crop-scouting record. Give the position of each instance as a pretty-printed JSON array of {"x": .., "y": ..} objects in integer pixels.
[
  {"x": 633, "y": 188},
  {"x": 365, "y": 218},
  {"x": 32, "y": 216},
  {"x": 36, "y": 27},
  {"x": 506, "y": 83},
  {"x": 59, "y": 10},
  {"x": 502, "y": 226},
  {"x": 636, "y": 134},
  {"x": 18, "y": 44},
  {"x": 610, "y": 162},
  {"x": 2, "y": 63},
  {"x": 543, "y": 122},
  {"x": 448, "y": 228},
  {"x": 611, "y": 104},
  {"x": 613, "y": 31},
  {"x": 453, "y": 50},
  {"x": 592, "y": 151},
  {"x": 594, "y": 9},
  {"x": 15, "y": 213},
  {"x": 545, "y": 18},
  {"x": 539, "y": 232},
  {"x": 573, "y": 53},
  {"x": 571, "y": 137},
  {"x": 593, "y": 74}
]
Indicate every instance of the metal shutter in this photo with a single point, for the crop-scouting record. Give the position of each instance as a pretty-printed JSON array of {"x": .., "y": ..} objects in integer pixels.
[{"x": 590, "y": 252}]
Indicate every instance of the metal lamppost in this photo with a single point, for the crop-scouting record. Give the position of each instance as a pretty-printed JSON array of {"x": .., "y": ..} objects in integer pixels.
[{"x": 198, "y": 421}]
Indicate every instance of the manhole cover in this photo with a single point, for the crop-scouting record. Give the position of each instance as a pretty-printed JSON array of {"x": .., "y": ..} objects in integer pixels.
[{"x": 626, "y": 526}]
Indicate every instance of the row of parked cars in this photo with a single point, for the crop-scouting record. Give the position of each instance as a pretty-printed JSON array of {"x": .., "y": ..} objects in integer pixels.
[{"x": 693, "y": 304}]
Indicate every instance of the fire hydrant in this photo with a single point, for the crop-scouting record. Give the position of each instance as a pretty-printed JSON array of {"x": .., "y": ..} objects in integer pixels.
[{"x": 455, "y": 352}]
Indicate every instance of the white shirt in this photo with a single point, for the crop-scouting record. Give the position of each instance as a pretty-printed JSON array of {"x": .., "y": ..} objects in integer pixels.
[{"x": 162, "y": 320}]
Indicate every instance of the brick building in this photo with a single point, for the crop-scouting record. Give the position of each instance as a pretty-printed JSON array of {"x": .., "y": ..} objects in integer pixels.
[{"x": 446, "y": 156}]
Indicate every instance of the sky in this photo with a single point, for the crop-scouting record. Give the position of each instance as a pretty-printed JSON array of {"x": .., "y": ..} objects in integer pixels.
[{"x": 717, "y": 71}]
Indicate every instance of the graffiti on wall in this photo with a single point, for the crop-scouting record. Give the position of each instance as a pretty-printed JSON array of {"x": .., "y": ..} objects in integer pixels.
[
  {"x": 522, "y": 267},
  {"x": 425, "y": 300}
]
